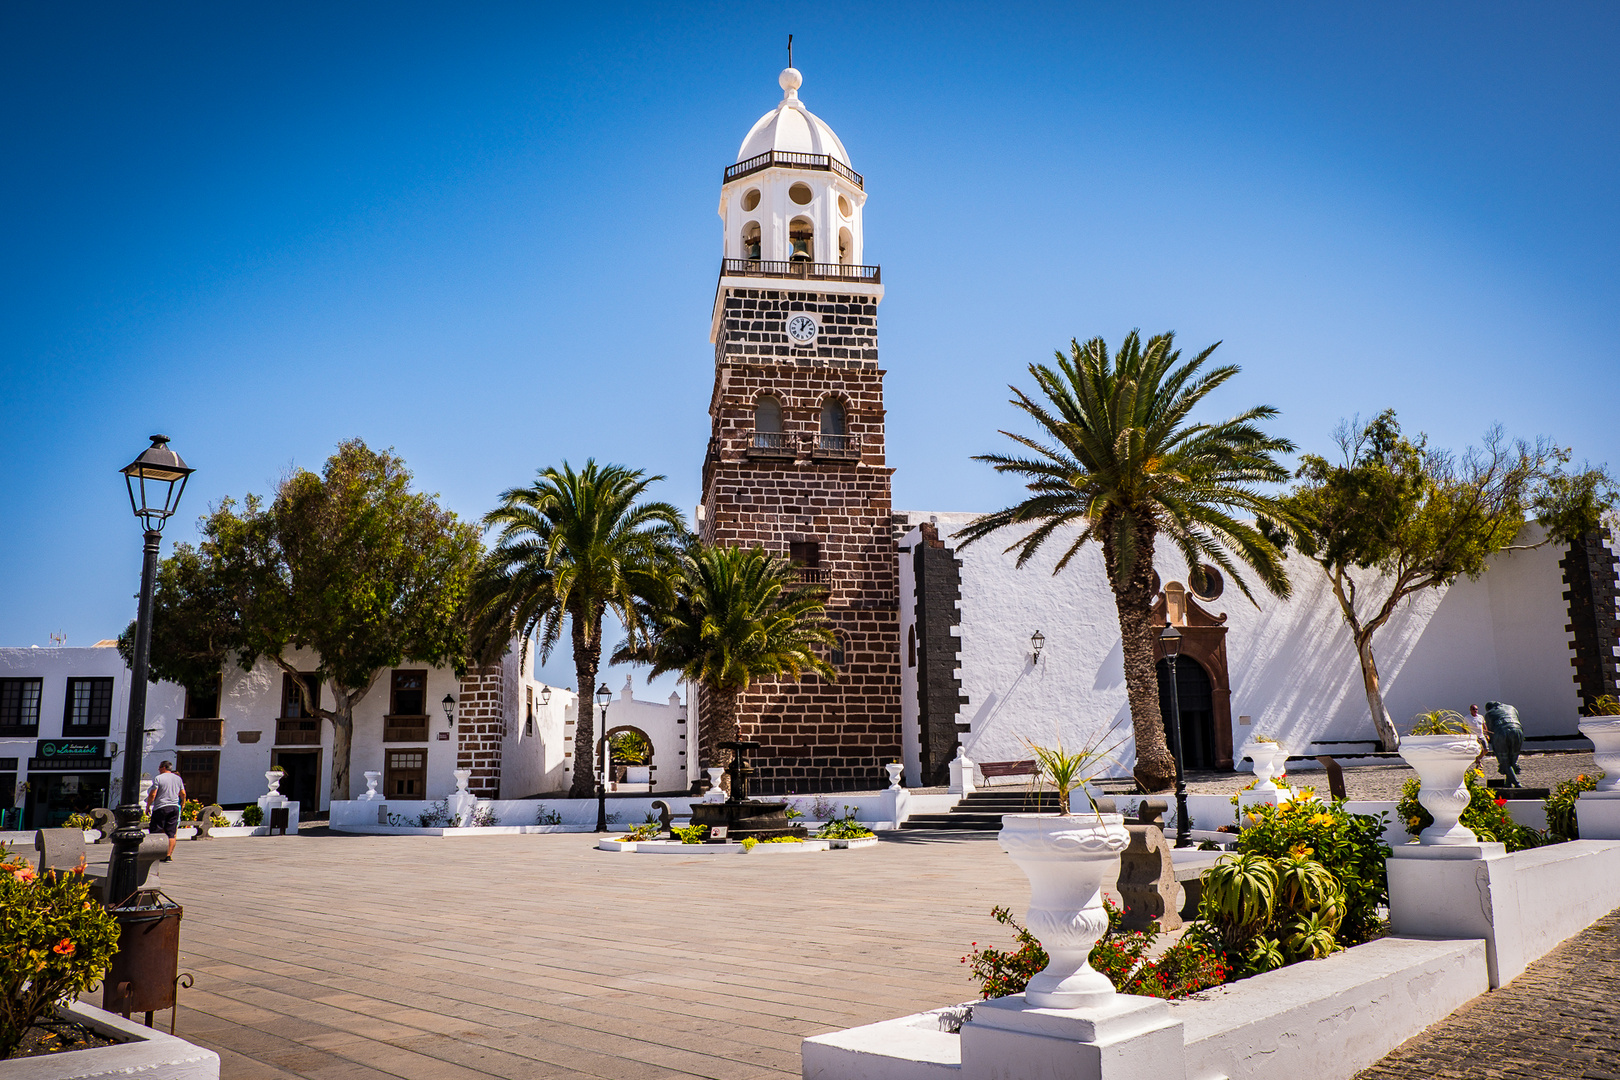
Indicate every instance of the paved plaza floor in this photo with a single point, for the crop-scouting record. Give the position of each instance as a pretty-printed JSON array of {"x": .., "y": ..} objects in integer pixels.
[{"x": 364, "y": 958}]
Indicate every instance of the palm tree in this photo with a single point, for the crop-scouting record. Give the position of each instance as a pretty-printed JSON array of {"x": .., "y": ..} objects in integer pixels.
[
  {"x": 733, "y": 615},
  {"x": 573, "y": 544},
  {"x": 1118, "y": 461}
]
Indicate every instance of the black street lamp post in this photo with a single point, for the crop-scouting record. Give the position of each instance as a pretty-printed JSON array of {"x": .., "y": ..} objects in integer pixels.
[
  {"x": 603, "y": 753},
  {"x": 1171, "y": 640},
  {"x": 156, "y": 480}
]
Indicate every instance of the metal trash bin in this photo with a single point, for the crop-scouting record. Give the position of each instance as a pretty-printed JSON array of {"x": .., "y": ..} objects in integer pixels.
[{"x": 146, "y": 968}]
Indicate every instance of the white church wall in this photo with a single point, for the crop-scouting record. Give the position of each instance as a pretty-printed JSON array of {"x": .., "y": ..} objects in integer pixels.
[
  {"x": 533, "y": 754},
  {"x": 1292, "y": 666}
]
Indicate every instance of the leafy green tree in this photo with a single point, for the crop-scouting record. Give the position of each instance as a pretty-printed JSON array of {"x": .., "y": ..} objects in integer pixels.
[
  {"x": 733, "y": 615},
  {"x": 573, "y": 545},
  {"x": 1415, "y": 517},
  {"x": 350, "y": 564},
  {"x": 1119, "y": 462}
]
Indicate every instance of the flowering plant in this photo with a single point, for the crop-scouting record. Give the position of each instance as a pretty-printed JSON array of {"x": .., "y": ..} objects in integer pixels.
[
  {"x": 1349, "y": 846},
  {"x": 1487, "y": 815},
  {"x": 1561, "y": 807},
  {"x": 55, "y": 941}
]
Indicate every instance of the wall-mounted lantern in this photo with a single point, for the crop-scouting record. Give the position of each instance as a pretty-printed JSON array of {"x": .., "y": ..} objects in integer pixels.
[
  {"x": 449, "y": 704},
  {"x": 1037, "y": 642}
]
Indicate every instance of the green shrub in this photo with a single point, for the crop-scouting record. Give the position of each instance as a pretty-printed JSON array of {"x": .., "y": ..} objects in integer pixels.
[
  {"x": 1487, "y": 815},
  {"x": 1349, "y": 846},
  {"x": 692, "y": 834},
  {"x": 253, "y": 815},
  {"x": 1560, "y": 807},
  {"x": 643, "y": 831},
  {"x": 844, "y": 828},
  {"x": 748, "y": 843},
  {"x": 1261, "y": 913},
  {"x": 55, "y": 942},
  {"x": 79, "y": 821},
  {"x": 219, "y": 821},
  {"x": 191, "y": 810}
]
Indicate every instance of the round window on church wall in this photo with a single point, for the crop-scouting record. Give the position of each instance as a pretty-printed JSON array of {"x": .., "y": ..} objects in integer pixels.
[
  {"x": 750, "y": 198},
  {"x": 843, "y": 206},
  {"x": 1206, "y": 582},
  {"x": 800, "y": 193}
]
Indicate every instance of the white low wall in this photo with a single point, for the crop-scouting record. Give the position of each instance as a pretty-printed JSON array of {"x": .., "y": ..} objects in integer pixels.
[
  {"x": 1521, "y": 904},
  {"x": 1324, "y": 1019},
  {"x": 148, "y": 1053}
]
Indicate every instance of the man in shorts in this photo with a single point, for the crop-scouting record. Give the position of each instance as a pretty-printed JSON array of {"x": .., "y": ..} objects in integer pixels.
[{"x": 163, "y": 801}]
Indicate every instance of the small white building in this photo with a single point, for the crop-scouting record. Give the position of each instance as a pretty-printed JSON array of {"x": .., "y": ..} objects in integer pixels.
[{"x": 1284, "y": 668}]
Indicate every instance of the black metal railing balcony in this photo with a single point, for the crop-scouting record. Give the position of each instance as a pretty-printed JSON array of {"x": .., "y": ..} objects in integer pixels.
[
  {"x": 772, "y": 444},
  {"x": 788, "y": 159},
  {"x": 804, "y": 270},
  {"x": 834, "y": 446}
]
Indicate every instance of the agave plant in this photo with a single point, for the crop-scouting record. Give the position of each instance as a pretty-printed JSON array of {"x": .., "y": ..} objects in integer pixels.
[
  {"x": 1263, "y": 954},
  {"x": 1441, "y": 722},
  {"x": 1305, "y": 885},
  {"x": 1310, "y": 937},
  {"x": 1240, "y": 897},
  {"x": 1067, "y": 771}
]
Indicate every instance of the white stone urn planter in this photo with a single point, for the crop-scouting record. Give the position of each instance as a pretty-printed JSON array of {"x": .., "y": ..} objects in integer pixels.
[
  {"x": 894, "y": 769},
  {"x": 638, "y": 774},
  {"x": 273, "y": 779},
  {"x": 372, "y": 780},
  {"x": 715, "y": 794},
  {"x": 1604, "y": 731},
  {"x": 1067, "y": 859},
  {"x": 1442, "y": 762},
  {"x": 1269, "y": 760}
]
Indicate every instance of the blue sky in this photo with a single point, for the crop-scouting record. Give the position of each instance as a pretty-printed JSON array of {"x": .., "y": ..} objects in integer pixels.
[{"x": 485, "y": 235}]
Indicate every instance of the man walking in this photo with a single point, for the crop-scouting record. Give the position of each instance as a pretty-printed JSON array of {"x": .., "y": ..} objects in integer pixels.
[{"x": 163, "y": 802}]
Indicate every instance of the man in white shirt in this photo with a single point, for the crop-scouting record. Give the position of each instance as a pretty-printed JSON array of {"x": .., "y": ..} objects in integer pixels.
[{"x": 163, "y": 801}]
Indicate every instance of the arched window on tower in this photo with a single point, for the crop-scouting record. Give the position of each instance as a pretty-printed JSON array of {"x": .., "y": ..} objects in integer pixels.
[
  {"x": 846, "y": 247},
  {"x": 801, "y": 240},
  {"x": 768, "y": 424},
  {"x": 834, "y": 427},
  {"x": 750, "y": 240}
]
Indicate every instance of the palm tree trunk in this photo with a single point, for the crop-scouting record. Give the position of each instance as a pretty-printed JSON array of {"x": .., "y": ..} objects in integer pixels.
[
  {"x": 719, "y": 720},
  {"x": 1155, "y": 768},
  {"x": 587, "y": 635}
]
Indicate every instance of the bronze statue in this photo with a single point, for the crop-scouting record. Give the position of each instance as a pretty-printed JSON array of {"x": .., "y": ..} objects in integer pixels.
[{"x": 1507, "y": 739}]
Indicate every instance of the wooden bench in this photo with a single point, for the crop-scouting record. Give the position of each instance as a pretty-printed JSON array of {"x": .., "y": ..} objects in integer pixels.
[{"x": 1006, "y": 768}]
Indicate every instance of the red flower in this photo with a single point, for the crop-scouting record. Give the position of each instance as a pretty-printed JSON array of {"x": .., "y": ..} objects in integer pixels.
[
  {"x": 1501, "y": 802},
  {"x": 63, "y": 948}
]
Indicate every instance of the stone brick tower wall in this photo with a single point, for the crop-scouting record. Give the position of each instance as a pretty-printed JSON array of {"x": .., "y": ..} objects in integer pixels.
[
  {"x": 817, "y": 736},
  {"x": 1590, "y": 570},
  {"x": 481, "y": 728}
]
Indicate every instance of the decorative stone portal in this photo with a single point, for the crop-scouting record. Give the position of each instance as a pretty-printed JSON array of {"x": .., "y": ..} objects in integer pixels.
[{"x": 1202, "y": 680}]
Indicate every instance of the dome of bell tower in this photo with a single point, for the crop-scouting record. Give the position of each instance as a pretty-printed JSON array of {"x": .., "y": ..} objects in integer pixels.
[
  {"x": 791, "y": 196},
  {"x": 791, "y": 127}
]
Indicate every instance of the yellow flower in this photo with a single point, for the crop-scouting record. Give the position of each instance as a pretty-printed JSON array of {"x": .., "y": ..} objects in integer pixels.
[
  {"x": 1302, "y": 851},
  {"x": 1321, "y": 819},
  {"x": 1414, "y": 821}
]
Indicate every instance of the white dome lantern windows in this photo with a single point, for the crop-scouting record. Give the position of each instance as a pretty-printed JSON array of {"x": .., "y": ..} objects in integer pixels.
[
  {"x": 751, "y": 241},
  {"x": 801, "y": 194},
  {"x": 843, "y": 206},
  {"x": 750, "y": 199}
]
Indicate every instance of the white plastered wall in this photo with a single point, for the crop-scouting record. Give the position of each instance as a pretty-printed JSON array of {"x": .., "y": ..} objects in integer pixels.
[{"x": 1291, "y": 664}]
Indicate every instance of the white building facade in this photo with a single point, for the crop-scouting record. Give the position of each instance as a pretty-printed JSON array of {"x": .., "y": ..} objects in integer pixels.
[{"x": 1284, "y": 668}]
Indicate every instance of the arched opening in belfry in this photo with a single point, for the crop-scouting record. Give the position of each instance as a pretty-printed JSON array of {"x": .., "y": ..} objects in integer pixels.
[
  {"x": 846, "y": 247},
  {"x": 801, "y": 240},
  {"x": 1195, "y": 698},
  {"x": 750, "y": 240}
]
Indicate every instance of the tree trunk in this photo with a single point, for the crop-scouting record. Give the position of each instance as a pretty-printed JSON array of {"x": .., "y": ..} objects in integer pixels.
[
  {"x": 342, "y": 718},
  {"x": 1155, "y": 768},
  {"x": 719, "y": 720},
  {"x": 1388, "y": 741},
  {"x": 587, "y": 635}
]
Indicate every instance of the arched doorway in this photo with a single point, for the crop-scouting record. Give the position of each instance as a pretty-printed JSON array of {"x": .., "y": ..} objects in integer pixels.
[{"x": 1196, "y": 696}]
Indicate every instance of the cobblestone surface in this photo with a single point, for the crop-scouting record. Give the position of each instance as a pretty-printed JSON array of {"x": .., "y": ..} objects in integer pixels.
[
  {"x": 1384, "y": 781},
  {"x": 1554, "y": 1022}
]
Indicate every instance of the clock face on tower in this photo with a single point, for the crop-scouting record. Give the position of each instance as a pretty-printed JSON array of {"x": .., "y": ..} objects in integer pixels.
[{"x": 802, "y": 329}]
